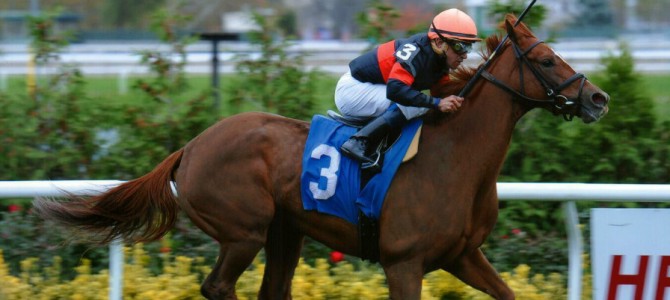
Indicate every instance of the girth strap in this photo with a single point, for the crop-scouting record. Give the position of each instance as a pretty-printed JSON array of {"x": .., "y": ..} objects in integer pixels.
[{"x": 368, "y": 235}]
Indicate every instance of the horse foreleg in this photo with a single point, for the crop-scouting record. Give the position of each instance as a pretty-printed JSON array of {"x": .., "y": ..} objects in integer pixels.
[
  {"x": 404, "y": 280},
  {"x": 234, "y": 258},
  {"x": 475, "y": 270},
  {"x": 282, "y": 252}
]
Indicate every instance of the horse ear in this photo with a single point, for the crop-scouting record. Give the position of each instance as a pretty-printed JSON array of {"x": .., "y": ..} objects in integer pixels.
[{"x": 510, "y": 29}]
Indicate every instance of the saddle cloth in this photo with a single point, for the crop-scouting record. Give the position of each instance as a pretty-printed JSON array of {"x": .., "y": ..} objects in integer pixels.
[{"x": 330, "y": 183}]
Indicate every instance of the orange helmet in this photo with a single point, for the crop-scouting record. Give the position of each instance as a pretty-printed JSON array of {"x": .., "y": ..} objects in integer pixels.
[{"x": 453, "y": 24}]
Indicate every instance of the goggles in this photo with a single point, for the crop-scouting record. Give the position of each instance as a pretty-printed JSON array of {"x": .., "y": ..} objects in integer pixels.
[{"x": 460, "y": 47}]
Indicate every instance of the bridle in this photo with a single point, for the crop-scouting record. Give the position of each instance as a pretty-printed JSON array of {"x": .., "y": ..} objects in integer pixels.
[{"x": 558, "y": 103}]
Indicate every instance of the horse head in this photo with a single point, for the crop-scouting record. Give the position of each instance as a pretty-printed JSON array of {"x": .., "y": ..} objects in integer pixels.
[{"x": 546, "y": 80}]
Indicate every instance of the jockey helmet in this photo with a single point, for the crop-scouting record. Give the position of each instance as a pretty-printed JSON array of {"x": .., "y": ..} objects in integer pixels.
[{"x": 453, "y": 24}]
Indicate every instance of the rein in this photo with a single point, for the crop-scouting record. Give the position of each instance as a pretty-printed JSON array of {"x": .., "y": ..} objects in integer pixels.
[{"x": 560, "y": 103}]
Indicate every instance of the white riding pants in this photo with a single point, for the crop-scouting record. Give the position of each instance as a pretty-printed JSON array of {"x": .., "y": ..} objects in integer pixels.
[{"x": 363, "y": 99}]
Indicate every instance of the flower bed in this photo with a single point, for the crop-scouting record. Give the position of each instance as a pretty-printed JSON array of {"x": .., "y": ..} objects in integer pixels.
[{"x": 182, "y": 276}]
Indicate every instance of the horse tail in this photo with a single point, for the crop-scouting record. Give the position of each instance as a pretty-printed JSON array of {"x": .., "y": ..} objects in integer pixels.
[{"x": 140, "y": 210}]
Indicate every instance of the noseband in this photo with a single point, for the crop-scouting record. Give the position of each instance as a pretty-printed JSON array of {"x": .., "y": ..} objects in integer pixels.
[{"x": 560, "y": 104}]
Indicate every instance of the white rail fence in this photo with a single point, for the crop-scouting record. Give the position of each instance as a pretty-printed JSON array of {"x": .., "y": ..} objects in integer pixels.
[
  {"x": 568, "y": 193},
  {"x": 650, "y": 55}
]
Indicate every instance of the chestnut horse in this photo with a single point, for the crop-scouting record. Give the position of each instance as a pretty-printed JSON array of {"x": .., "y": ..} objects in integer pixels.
[{"x": 239, "y": 182}]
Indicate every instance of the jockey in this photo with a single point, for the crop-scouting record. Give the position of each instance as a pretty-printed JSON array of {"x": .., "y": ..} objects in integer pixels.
[{"x": 398, "y": 71}]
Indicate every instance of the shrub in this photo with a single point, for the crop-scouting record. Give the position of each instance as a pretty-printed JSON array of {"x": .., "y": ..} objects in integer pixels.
[
  {"x": 24, "y": 235},
  {"x": 276, "y": 82}
]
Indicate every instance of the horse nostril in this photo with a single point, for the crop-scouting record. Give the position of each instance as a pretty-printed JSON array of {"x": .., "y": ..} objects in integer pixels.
[{"x": 600, "y": 99}]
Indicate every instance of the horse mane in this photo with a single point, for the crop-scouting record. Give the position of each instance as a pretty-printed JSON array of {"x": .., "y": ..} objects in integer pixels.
[{"x": 461, "y": 76}]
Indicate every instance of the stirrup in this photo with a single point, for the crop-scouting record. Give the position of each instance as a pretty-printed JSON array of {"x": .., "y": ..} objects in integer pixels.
[{"x": 375, "y": 166}]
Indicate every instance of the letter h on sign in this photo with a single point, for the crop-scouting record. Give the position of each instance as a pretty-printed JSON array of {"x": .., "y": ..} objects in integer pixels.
[{"x": 638, "y": 280}]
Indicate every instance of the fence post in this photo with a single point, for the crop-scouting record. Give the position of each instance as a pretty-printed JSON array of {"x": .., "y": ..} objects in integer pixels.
[
  {"x": 575, "y": 250},
  {"x": 3, "y": 81},
  {"x": 116, "y": 270},
  {"x": 123, "y": 82}
]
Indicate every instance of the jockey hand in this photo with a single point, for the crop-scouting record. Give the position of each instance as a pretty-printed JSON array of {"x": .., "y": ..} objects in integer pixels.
[{"x": 450, "y": 104}]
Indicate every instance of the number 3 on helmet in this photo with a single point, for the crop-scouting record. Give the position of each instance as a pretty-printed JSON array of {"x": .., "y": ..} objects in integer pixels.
[{"x": 453, "y": 24}]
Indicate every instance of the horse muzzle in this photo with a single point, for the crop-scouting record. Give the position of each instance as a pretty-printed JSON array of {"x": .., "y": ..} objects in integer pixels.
[{"x": 593, "y": 106}]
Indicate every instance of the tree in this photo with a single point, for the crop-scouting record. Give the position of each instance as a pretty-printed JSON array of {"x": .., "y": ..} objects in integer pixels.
[
  {"x": 618, "y": 148},
  {"x": 166, "y": 117},
  {"x": 129, "y": 13},
  {"x": 276, "y": 81},
  {"x": 48, "y": 133},
  {"x": 534, "y": 18},
  {"x": 376, "y": 22}
]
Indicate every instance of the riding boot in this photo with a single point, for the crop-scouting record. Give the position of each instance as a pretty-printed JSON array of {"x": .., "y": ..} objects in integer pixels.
[{"x": 357, "y": 145}]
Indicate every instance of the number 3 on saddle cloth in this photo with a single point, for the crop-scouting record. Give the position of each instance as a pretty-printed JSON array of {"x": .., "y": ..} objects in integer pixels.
[{"x": 330, "y": 182}]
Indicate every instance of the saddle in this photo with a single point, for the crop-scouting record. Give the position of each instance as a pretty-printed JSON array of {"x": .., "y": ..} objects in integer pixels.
[{"x": 382, "y": 146}]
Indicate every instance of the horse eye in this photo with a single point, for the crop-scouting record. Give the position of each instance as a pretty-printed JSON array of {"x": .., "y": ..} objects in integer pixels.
[{"x": 547, "y": 63}]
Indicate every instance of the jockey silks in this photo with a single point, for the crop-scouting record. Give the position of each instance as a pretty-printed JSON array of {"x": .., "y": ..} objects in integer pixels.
[{"x": 407, "y": 66}]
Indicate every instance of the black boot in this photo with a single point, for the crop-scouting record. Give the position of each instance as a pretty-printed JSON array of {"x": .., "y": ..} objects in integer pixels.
[{"x": 356, "y": 147}]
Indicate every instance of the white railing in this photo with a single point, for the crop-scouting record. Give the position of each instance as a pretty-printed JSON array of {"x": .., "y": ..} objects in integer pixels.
[
  {"x": 650, "y": 55},
  {"x": 568, "y": 193}
]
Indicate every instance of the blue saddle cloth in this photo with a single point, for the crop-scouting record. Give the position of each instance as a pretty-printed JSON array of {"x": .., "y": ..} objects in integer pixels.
[{"x": 330, "y": 182}]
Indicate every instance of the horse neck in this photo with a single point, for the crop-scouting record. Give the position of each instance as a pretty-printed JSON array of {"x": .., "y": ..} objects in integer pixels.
[
  {"x": 480, "y": 132},
  {"x": 491, "y": 111}
]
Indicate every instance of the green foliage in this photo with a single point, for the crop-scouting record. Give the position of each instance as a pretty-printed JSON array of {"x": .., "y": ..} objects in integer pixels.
[
  {"x": 165, "y": 119},
  {"x": 616, "y": 149},
  {"x": 545, "y": 254},
  {"x": 619, "y": 148},
  {"x": 45, "y": 41},
  {"x": 288, "y": 22},
  {"x": 498, "y": 9},
  {"x": 276, "y": 81},
  {"x": 658, "y": 168},
  {"x": 44, "y": 133},
  {"x": 376, "y": 22},
  {"x": 24, "y": 235},
  {"x": 128, "y": 13},
  {"x": 529, "y": 159}
]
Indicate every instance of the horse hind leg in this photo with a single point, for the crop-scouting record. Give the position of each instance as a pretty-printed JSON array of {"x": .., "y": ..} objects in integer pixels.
[
  {"x": 475, "y": 270},
  {"x": 282, "y": 253},
  {"x": 404, "y": 279},
  {"x": 234, "y": 258}
]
